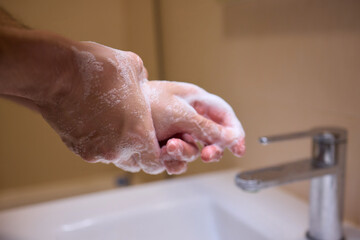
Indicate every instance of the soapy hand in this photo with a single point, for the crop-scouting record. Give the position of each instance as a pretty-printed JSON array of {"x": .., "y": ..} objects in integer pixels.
[
  {"x": 113, "y": 114},
  {"x": 184, "y": 114},
  {"x": 99, "y": 101},
  {"x": 106, "y": 117}
]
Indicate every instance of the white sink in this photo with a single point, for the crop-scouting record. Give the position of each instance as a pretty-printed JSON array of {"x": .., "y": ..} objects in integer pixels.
[{"x": 205, "y": 207}]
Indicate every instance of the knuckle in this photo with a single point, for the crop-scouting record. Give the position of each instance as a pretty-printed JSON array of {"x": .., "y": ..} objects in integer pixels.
[
  {"x": 110, "y": 155},
  {"x": 136, "y": 60},
  {"x": 204, "y": 123}
]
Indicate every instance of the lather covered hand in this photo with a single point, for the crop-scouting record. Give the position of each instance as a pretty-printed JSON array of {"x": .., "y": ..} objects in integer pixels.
[
  {"x": 113, "y": 114},
  {"x": 99, "y": 101},
  {"x": 184, "y": 114}
]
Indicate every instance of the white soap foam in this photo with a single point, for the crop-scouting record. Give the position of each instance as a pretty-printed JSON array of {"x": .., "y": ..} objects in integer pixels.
[
  {"x": 137, "y": 149},
  {"x": 89, "y": 70}
]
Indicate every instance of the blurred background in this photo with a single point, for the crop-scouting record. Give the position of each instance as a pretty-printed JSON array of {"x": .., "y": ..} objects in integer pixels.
[{"x": 284, "y": 66}]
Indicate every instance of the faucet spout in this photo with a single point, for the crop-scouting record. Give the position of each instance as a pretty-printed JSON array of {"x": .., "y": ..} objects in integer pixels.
[
  {"x": 326, "y": 169},
  {"x": 256, "y": 180}
]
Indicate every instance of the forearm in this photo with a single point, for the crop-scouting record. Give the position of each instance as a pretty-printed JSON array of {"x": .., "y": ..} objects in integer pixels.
[{"x": 34, "y": 64}]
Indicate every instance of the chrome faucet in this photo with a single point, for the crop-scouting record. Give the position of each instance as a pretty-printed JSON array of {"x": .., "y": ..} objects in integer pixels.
[{"x": 326, "y": 169}]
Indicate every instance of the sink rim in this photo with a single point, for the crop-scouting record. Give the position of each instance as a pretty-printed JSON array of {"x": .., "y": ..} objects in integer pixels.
[{"x": 218, "y": 186}]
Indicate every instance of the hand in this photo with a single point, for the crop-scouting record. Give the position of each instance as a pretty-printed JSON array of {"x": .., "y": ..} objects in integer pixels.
[
  {"x": 184, "y": 114},
  {"x": 114, "y": 115},
  {"x": 105, "y": 117},
  {"x": 99, "y": 101}
]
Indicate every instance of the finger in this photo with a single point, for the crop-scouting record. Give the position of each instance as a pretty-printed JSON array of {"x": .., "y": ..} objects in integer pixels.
[
  {"x": 208, "y": 132},
  {"x": 217, "y": 110},
  {"x": 218, "y": 115},
  {"x": 171, "y": 165},
  {"x": 188, "y": 138},
  {"x": 212, "y": 121},
  {"x": 181, "y": 150},
  {"x": 206, "y": 104},
  {"x": 175, "y": 167},
  {"x": 211, "y": 153},
  {"x": 214, "y": 108},
  {"x": 238, "y": 148},
  {"x": 181, "y": 89}
]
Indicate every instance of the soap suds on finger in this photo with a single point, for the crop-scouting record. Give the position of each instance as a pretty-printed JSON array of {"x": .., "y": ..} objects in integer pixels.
[{"x": 154, "y": 111}]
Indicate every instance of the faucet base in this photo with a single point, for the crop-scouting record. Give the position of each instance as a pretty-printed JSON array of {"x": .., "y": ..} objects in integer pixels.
[{"x": 309, "y": 237}]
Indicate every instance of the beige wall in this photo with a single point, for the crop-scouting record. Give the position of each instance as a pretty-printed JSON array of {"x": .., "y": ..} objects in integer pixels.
[{"x": 284, "y": 65}]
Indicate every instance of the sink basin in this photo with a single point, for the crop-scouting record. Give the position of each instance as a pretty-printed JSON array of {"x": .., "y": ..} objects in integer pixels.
[{"x": 205, "y": 207}]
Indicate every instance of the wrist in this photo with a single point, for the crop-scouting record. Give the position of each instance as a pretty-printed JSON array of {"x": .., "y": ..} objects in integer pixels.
[{"x": 35, "y": 65}]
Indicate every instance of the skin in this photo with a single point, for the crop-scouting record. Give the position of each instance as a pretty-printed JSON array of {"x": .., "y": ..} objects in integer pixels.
[
  {"x": 99, "y": 101},
  {"x": 189, "y": 121}
]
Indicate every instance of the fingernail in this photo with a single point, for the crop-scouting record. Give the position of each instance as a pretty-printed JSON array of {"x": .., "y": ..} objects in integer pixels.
[
  {"x": 212, "y": 154},
  {"x": 215, "y": 157},
  {"x": 171, "y": 147}
]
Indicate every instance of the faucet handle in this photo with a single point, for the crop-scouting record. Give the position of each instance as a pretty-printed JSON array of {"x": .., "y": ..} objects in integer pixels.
[{"x": 334, "y": 135}]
